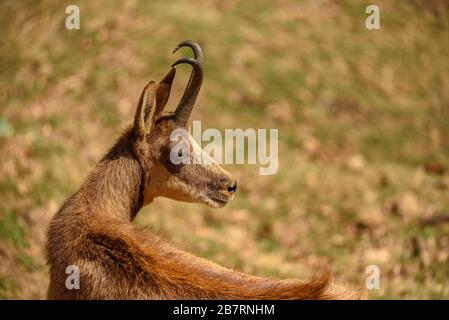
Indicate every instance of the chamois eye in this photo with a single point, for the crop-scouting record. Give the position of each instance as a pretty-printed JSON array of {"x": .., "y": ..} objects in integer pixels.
[{"x": 180, "y": 153}]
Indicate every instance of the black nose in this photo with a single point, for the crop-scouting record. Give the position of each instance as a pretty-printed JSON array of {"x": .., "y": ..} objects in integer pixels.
[{"x": 232, "y": 187}]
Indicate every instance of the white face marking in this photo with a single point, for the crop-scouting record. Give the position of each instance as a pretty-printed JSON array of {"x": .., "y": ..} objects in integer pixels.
[
  {"x": 186, "y": 144},
  {"x": 199, "y": 155}
]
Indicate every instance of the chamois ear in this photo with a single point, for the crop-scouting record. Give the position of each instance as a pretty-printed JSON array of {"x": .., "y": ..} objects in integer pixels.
[
  {"x": 146, "y": 110},
  {"x": 163, "y": 90}
]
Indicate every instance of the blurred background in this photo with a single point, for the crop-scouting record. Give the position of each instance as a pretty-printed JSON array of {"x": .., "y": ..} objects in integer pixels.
[{"x": 363, "y": 119}]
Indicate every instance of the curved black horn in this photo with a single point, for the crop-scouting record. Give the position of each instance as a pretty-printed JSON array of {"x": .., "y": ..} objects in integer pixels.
[
  {"x": 197, "y": 52},
  {"x": 185, "y": 106}
]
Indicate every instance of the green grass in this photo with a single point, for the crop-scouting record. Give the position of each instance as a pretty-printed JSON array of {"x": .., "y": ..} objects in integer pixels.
[
  {"x": 5, "y": 128},
  {"x": 12, "y": 229}
]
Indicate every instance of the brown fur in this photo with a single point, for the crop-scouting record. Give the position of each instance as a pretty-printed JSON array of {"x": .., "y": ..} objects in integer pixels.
[{"x": 117, "y": 260}]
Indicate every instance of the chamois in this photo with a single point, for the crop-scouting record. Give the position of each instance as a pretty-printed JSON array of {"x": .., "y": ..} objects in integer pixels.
[{"x": 116, "y": 259}]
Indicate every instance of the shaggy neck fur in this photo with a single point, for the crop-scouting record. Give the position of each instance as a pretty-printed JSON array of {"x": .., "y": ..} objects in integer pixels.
[{"x": 115, "y": 187}]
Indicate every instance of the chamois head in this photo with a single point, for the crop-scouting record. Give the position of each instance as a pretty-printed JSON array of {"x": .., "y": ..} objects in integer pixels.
[{"x": 191, "y": 180}]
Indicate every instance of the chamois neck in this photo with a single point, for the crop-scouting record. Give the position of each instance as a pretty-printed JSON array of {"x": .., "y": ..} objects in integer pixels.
[{"x": 114, "y": 187}]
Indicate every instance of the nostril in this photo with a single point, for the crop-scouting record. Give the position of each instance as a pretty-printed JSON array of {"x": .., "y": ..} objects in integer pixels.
[{"x": 232, "y": 187}]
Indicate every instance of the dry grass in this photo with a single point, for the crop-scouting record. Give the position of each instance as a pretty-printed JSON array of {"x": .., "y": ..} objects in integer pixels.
[{"x": 363, "y": 120}]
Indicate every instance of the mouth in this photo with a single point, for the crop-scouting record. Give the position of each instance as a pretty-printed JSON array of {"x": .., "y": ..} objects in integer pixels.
[
  {"x": 215, "y": 202},
  {"x": 221, "y": 203}
]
